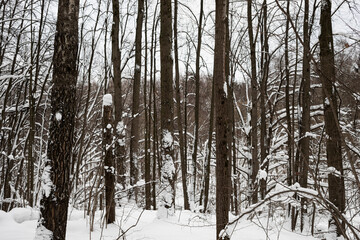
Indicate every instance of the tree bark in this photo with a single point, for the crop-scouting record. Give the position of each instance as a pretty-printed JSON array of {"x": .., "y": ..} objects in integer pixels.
[
  {"x": 209, "y": 146},
  {"x": 147, "y": 107},
  {"x": 119, "y": 145},
  {"x": 109, "y": 169},
  {"x": 167, "y": 140},
  {"x": 179, "y": 116},
  {"x": 135, "y": 121},
  {"x": 55, "y": 196},
  {"x": 223, "y": 165},
  {"x": 263, "y": 88},
  {"x": 197, "y": 97},
  {"x": 304, "y": 141},
  {"x": 331, "y": 114},
  {"x": 254, "y": 162}
]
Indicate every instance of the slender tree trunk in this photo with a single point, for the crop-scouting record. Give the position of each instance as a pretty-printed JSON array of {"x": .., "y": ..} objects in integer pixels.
[
  {"x": 332, "y": 127},
  {"x": 287, "y": 96},
  {"x": 152, "y": 99},
  {"x": 55, "y": 196},
  {"x": 179, "y": 116},
  {"x": 108, "y": 159},
  {"x": 209, "y": 146},
  {"x": 223, "y": 165},
  {"x": 135, "y": 135},
  {"x": 264, "y": 78},
  {"x": 31, "y": 139},
  {"x": 147, "y": 123},
  {"x": 254, "y": 162},
  {"x": 305, "y": 114},
  {"x": 197, "y": 97},
  {"x": 119, "y": 145}
]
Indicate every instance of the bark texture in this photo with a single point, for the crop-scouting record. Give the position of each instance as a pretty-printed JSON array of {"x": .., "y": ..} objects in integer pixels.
[
  {"x": 167, "y": 199},
  {"x": 55, "y": 196},
  {"x": 332, "y": 128},
  {"x": 223, "y": 165},
  {"x": 135, "y": 134},
  {"x": 119, "y": 144},
  {"x": 109, "y": 163}
]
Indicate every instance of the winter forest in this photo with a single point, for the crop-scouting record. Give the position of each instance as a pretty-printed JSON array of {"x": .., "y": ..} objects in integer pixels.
[{"x": 180, "y": 119}]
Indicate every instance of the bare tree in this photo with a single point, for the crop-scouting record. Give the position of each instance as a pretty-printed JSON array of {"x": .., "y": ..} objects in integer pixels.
[
  {"x": 167, "y": 140},
  {"x": 134, "y": 139},
  {"x": 179, "y": 114},
  {"x": 223, "y": 165},
  {"x": 254, "y": 162},
  {"x": 119, "y": 144},
  {"x": 304, "y": 124},
  {"x": 55, "y": 196},
  {"x": 108, "y": 158},
  {"x": 331, "y": 115}
]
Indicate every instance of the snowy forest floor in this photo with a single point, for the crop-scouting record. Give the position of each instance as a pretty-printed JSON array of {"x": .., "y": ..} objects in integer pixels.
[{"x": 20, "y": 224}]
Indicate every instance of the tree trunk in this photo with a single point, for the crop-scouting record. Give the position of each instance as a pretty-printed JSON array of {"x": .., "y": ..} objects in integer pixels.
[
  {"x": 287, "y": 96},
  {"x": 209, "y": 146},
  {"x": 119, "y": 145},
  {"x": 305, "y": 115},
  {"x": 223, "y": 165},
  {"x": 135, "y": 121},
  {"x": 254, "y": 162},
  {"x": 197, "y": 97},
  {"x": 55, "y": 196},
  {"x": 332, "y": 127},
  {"x": 147, "y": 107},
  {"x": 167, "y": 140},
  {"x": 263, "y": 88},
  {"x": 179, "y": 116},
  {"x": 108, "y": 159}
]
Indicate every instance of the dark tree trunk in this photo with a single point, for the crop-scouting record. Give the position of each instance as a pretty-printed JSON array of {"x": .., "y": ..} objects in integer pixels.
[
  {"x": 254, "y": 162},
  {"x": 179, "y": 116},
  {"x": 332, "y": 127},
  {"x": 223, "y": 165},
  {"x": 147, "y": 107},
  {"x": 287, "y": 96},
  {"x": 264, "y": 147},
  {"x": 135, "y": 121},
  {"x": 119, "y": 144},
  {"x": 55, "y": 196},
  {"x": 209, "y": 146},
  {"x": 197, "y": 98},
  {"x": 167, "y": 140},
  {"x": 152, "y": 96},
  {"x": 109, "y": 169},
  {"x": 304, "y": 141}
]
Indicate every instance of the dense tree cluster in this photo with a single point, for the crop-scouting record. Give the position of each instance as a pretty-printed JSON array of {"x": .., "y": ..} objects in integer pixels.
[{"x": 211, "y": 106}]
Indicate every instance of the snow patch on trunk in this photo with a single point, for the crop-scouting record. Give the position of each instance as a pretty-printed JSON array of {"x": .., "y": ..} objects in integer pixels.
[
  {"x": 107, "y": 100},
  {"x": 46, "y": 183},
  {"x": 42, "y": 233}
]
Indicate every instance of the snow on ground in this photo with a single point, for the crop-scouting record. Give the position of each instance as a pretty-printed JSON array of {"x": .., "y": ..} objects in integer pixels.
[{"x": 20, "y": 224}]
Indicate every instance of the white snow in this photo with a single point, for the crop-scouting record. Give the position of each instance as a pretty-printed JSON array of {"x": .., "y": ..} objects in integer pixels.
[
  {"x": 183, "y": 225},
  {"x": 334, "y": 171},
  {"x": 120, "y": 127},
  {"x": 42, "y": 233},
  {"x": 167, "y": 140},
  {"x": 262, "y": 174},
  {"x": 225, "y": 89},
  {"x": 107, "y": 100},
  {"x": 21, "y": 215},
  {"x": 58, "y": 116},
  {"x": 327, "y": 101},
  {"x": 46, "y": 183}
]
